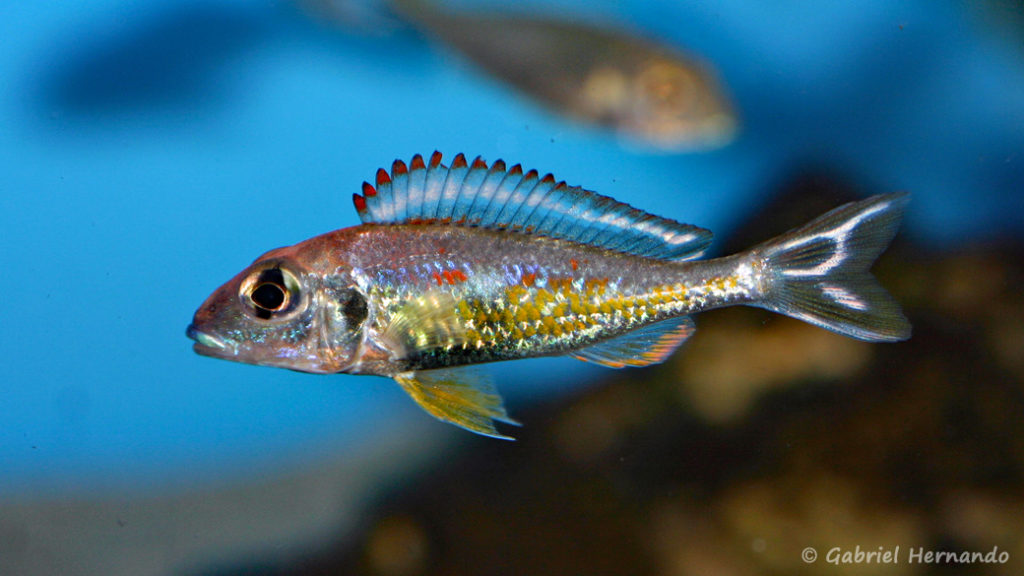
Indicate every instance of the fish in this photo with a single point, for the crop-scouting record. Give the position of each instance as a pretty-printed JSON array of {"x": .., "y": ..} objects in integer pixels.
[
  {"x": 653, "y": 95},
  {"x": 456, "y": 266}
]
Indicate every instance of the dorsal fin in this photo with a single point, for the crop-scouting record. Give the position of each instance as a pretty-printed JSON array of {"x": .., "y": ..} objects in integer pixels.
[{"x": 473, "y": 194}]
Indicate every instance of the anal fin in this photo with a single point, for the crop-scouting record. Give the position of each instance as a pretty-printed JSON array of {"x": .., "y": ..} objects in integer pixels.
[
  {"x": 645, "y": 346},
  {"x": 459, "y": 396}
]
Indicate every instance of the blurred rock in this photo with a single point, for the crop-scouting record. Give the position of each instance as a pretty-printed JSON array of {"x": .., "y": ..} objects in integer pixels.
[{"x": 396, "y": 546}]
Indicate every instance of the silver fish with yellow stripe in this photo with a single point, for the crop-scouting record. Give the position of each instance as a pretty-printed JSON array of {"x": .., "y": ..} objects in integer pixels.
[{"x": 460, "y": 265}]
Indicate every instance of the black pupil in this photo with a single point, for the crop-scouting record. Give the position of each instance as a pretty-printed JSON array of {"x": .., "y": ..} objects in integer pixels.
[{"x": 268, "y": 296}]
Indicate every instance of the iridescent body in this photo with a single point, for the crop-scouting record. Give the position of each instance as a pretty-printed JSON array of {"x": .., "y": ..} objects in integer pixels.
[
  {"x": 470, "y": 264},
  {"x": 647, "y": 91}
]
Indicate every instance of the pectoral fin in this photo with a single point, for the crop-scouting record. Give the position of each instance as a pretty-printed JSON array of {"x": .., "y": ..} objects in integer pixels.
[
  {"x": 425, "y": 323},
  {"x": 460, "y": 396}
]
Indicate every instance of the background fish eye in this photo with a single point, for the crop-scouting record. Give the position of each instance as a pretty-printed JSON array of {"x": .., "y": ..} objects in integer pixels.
[{"x": 270, "y": 292}]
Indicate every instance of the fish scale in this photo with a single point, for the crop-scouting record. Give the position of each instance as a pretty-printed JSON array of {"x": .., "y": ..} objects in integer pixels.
[{"x": 454, "y": 267}]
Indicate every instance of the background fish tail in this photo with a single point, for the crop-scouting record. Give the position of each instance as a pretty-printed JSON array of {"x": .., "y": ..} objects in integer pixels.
[{"x": 819, "y": 273}]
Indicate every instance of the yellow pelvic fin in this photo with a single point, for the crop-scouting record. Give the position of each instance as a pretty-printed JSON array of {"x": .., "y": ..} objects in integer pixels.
[{"x": 460, "y": 396}]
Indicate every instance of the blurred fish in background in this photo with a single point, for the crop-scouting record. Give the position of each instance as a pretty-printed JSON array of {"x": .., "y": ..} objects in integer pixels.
[
  {"x": 180, "y": 58},
  {"x": 654, "y": 96},
  {"x": 1004, "y": 17}
]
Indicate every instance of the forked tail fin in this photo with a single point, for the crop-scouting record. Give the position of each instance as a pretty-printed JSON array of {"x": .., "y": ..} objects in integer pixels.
[{"x": 819, "y": 273}]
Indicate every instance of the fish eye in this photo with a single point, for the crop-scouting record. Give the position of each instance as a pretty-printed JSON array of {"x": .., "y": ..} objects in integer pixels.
[
  {"x": 669, "y": 85},
  {"x": 270, "y": 293}
]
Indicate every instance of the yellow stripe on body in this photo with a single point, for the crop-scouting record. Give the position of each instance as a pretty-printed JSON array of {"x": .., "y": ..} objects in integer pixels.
[{"x": 578, "y": 309}]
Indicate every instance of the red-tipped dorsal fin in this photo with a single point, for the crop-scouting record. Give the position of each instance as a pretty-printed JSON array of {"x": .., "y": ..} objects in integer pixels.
[
  {"x": 469, "y": 194},
  {"x": 360, "y": 203}
]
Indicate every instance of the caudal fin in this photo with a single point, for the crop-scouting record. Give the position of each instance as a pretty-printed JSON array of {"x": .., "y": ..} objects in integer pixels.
[{"x": 819, "y": 273}]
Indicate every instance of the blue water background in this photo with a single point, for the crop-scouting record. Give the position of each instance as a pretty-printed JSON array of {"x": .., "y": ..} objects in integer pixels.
[{"x": 149, "y": 151}]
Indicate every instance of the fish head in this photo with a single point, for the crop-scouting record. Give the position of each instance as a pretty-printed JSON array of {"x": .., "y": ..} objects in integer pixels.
[
  {"x": 677, "y": 105},
  {"x": 280, "y": 312}
]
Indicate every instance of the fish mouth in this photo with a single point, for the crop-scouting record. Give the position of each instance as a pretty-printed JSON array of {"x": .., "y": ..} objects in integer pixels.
[{"x": 208, "y": 344}]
